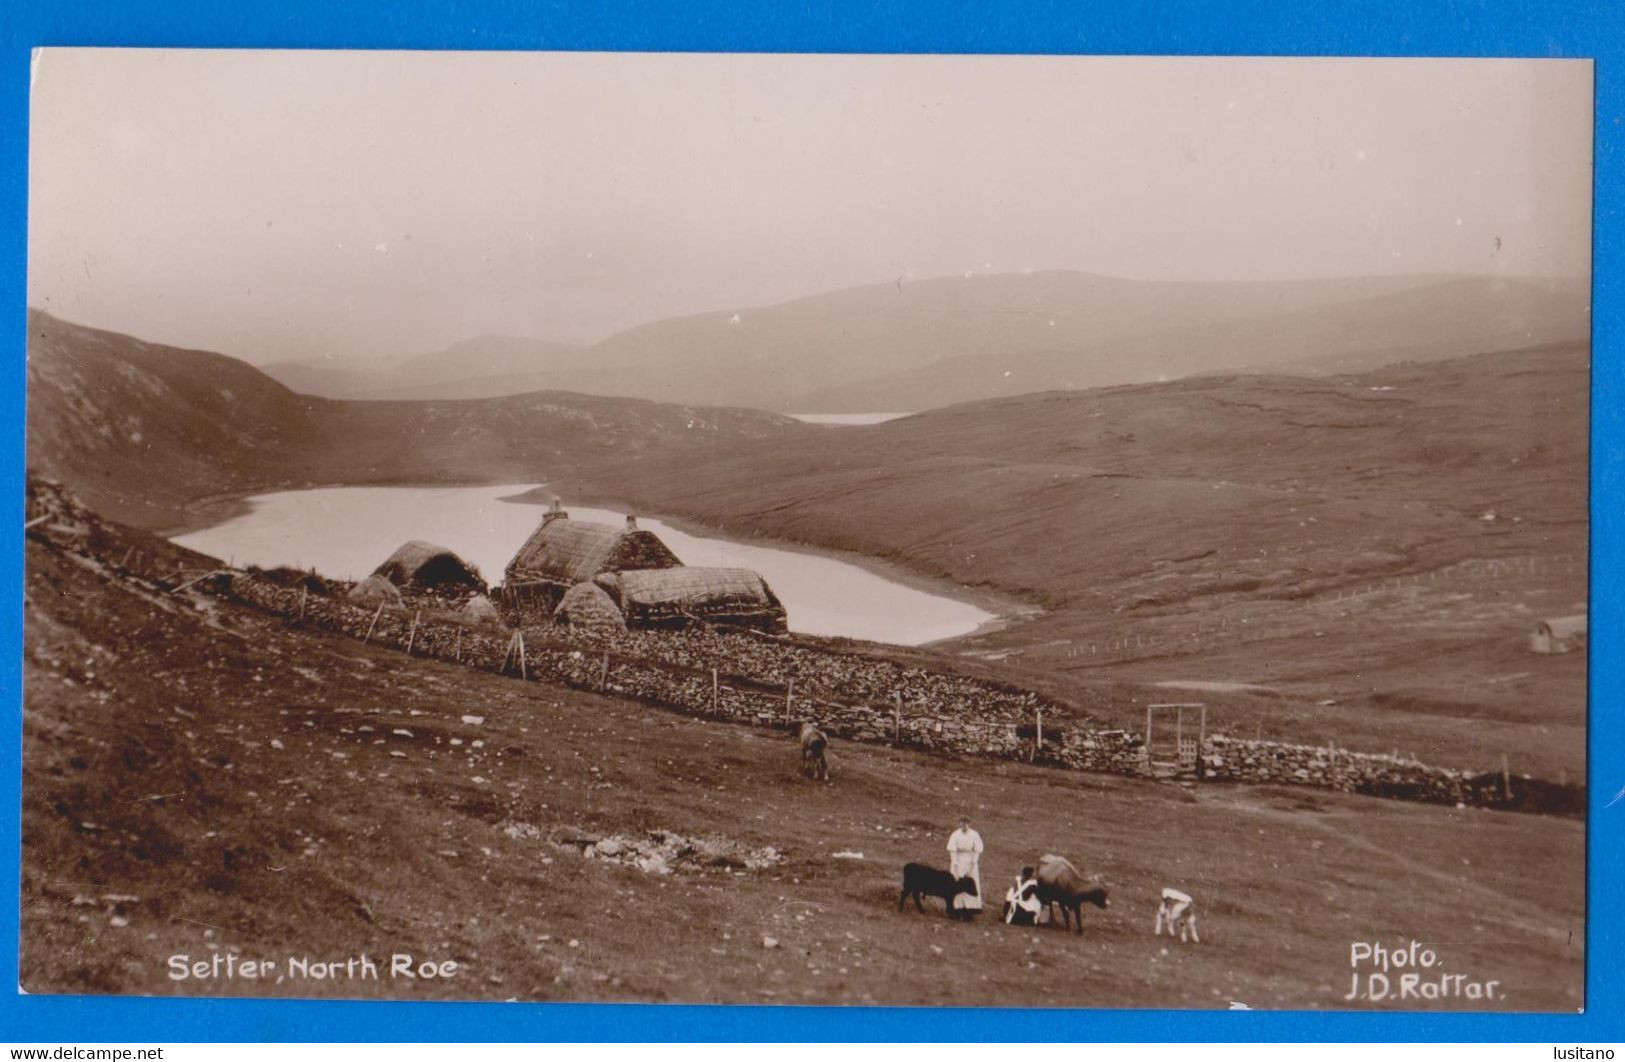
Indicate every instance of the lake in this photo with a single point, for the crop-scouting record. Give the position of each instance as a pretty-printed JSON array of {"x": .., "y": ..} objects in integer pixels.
[
  {"x": 846, "y": 420},
  {"x": 346, "y": 532}
]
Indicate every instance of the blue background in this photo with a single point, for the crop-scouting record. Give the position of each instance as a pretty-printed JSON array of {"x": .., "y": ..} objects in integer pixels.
[{"x": 1394, "y": 27}]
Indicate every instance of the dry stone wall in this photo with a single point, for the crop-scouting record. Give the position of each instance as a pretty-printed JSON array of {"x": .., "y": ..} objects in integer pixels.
[{"x": 552, "y": 656}]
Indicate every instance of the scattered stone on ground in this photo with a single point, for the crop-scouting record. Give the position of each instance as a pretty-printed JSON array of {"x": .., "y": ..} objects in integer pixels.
[{"x": 663, "y": 852}]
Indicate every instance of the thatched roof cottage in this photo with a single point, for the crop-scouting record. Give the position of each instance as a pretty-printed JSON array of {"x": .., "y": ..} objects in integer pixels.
[
  {"x": 563, "y": 552},
  {"x": 676, "y": 597},
  {"x": 425, "y": 568}
]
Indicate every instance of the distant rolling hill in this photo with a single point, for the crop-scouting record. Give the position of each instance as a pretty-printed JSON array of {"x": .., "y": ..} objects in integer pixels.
[
  {"x": 482, "y": 367},
  {"x": 926, "y": 343},
  {"x": 1053, "y": 495},
  {"x": 1369, "y": 551},
  {"x": 1350, "y": 555},
  {"x": 143, "y": 432}
]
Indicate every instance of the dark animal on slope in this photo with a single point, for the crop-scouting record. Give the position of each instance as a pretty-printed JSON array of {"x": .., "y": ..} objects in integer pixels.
[
  {"x": 920, "y": 880},
  {"x": 813, "y": 743},
  {"x": 1060, "y": 883}
]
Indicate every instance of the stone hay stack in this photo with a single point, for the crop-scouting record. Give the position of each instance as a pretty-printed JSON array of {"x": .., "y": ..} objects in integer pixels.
[
  {"x": 479, "y": 609},
  {"x": 588, "y": 607},
  {"x": 375, "y": 590}
]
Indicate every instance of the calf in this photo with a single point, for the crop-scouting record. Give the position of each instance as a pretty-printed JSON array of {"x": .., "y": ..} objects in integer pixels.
[
  {"x": 1177, "y": 910},
  {"x": 813, "y": 743},
  {"x": 921, "y": 880}
]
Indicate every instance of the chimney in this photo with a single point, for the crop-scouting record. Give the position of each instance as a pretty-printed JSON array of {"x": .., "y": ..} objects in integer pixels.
[
  {"x": 631, "y": 522},
  {"x": 554, "y": 512}
]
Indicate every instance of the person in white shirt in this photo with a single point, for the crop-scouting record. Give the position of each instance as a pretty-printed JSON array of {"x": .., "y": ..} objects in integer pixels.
[{"x": 965, "y": 861}]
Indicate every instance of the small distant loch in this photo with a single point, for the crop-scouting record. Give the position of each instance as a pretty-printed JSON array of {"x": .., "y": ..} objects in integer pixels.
[
  {"x": 846, "y": 420},
  {"x": 345, "y": 532}
]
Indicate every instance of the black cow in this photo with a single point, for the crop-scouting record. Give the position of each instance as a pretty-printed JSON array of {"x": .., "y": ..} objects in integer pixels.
[{"x": 920, "y": 880}]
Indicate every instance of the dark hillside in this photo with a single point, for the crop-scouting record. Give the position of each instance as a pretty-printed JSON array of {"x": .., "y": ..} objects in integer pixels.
[{"x": 143, "y": 432}]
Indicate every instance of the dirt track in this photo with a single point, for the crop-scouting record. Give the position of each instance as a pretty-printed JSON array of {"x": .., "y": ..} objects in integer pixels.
[{"x": 200, "y": 781}]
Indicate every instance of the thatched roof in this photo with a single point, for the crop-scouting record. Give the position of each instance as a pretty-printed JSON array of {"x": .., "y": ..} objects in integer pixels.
[
  {"x": 373, "y": 589},
  {"x": 586, "y": 605},
  {"x": 423, "y": 565},
  {"x": 696, "y": 588},
  {"x": 572, "y": 551}
]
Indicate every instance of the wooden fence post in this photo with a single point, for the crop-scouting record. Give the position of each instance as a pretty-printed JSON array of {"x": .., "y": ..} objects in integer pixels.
[
  {"x": 603, "y": 672},
  {"x": 192, "y": 581},
  {"x": 373, "y": 624},
  {"x": 789, "y": 700},
  {"x": 412, "y": 637},
  {"x": 303, "y": 591},
  {"x": 715, "y": 691},
  {"x": 524, "y": 668},
  {"x": 897, "y": 719}
]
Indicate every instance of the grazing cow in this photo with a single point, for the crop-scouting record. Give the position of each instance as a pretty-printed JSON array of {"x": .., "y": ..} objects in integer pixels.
[
  {"x": 1177, "y": 910},
  {"x": 1060, "y": 883},
  {"x": 921, "y": 880},
  {"x": 813, "y": 743}
]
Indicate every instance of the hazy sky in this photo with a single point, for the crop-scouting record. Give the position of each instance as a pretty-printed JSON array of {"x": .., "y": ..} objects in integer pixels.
[{"x": 281, "y": 205}]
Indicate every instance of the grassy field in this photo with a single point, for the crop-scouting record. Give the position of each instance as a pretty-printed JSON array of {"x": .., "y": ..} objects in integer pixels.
[
  {"x": 1327, "y": 542},
  {"x": 203, "y": 780}
]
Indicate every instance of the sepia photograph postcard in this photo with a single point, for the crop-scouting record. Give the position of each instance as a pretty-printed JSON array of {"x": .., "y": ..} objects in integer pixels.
[{"x": 867, "y": 530}]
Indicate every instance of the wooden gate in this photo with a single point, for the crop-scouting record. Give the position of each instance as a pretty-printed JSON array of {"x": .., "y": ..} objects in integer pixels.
[{"x": 1174, "y": 749}]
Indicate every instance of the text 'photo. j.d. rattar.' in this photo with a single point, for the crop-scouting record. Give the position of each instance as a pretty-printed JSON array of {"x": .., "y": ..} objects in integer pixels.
[{"x": 795, "y": 529}]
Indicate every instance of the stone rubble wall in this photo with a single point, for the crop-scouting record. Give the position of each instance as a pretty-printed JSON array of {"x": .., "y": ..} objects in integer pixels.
[{"x": 550, "y": 657}]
